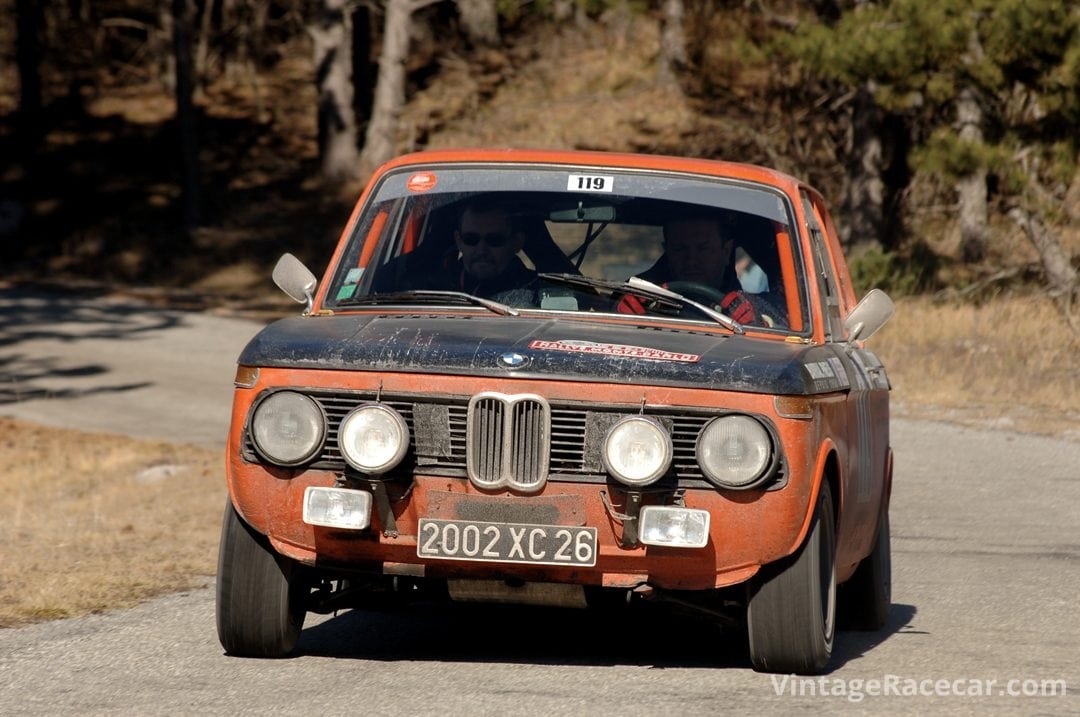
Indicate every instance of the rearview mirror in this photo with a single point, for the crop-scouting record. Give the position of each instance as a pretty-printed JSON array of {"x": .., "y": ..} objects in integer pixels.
[
  {"x": 582, "y": 213},
  {"x": 869, "y": 315},
  {"x": 296, "y": 280}
]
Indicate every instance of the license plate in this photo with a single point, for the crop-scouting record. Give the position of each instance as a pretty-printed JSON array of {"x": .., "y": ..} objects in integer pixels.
[{"x": 506, "y": 542}]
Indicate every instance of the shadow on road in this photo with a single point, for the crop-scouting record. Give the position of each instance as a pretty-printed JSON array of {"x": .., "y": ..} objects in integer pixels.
[
  {"x": 60, "y": 321},
  {"x": 644, "y": 636},
  {"x": 851, "y": 645},
  {"x": 19, "y": 377},
  {"x": 29, "y": 315}
]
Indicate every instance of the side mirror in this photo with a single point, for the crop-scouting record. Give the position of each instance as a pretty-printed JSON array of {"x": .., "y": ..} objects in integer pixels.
[
  {"x": 869, "y": 315},
  {"x": 296, "y": 280}
]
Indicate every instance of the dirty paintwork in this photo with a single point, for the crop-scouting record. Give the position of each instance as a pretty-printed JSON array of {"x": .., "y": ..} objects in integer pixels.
[
  {"x": 473, "y": 346},
  {"x": 524, "y": 386}
]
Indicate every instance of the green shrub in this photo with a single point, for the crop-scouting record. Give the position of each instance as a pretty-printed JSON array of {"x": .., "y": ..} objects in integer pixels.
[{"x": 899, "y": 274}]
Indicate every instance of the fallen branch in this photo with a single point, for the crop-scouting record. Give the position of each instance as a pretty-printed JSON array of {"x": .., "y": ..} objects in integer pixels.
[{"x": 977, "y": 286}]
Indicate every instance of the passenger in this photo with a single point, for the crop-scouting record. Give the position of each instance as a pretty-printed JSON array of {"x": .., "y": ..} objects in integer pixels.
[
  {"x": 752, "y": 277},
  {"x": 696, "y": 252}
]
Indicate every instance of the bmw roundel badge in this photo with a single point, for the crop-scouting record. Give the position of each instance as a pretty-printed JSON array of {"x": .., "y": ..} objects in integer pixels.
[{"x": 512, "y": 359}]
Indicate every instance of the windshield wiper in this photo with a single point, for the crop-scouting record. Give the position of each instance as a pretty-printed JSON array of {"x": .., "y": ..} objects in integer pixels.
[
  {"x": 428, "y": 296},
  {"x": 646, "y": 288},
  {"x": 584, "y": 281},
  {"x": 722, "y": 319}
]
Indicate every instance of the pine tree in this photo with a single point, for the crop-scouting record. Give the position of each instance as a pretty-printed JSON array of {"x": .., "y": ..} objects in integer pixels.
[{"x": 989, "y": 88}]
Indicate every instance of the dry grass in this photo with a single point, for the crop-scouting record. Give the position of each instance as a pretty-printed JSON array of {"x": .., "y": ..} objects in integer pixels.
[
  {"x": 1008, "y": 363},
  {"x": 95, "y": 522}
]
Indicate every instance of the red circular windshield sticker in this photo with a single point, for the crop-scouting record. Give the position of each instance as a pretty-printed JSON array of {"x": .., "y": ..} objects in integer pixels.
[{"x": 422, "y": 181}]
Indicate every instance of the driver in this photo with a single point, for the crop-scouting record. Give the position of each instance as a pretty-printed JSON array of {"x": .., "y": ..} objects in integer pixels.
[
  {"x": 696, "y": 252},
  {"x": 488, "y": 241}
]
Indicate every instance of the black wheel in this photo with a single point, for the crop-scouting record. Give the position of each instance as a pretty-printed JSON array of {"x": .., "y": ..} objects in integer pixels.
[
  {"x": 260, "y": 595},
  {"x": 865, "y": 598},
  {"x": 792, "y": 607}
]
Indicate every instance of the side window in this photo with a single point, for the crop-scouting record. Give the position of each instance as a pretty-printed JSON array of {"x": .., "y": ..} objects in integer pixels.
[
  {"x": 843, "y": 277},
  {"x": 828, "y": 287}
]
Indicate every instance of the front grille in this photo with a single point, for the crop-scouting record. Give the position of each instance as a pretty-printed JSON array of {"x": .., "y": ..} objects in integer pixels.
[
  {"x": 508, "y": 441},
  {"x": 568, "y": 450},
  {"x": 487, "y": 417}
]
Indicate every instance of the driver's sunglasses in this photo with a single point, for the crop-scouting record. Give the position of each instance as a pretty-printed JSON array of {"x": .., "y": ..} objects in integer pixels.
[{"x": 493, "y": 240}]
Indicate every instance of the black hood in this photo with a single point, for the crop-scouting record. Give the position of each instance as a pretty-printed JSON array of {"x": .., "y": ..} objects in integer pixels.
[{"x": 542, "y": 348}]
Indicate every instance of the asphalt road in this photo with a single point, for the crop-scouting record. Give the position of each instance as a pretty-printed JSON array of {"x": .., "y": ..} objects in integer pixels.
[
  {"x": 118, "y": 366},
  {"x": 986, "y": 560}
]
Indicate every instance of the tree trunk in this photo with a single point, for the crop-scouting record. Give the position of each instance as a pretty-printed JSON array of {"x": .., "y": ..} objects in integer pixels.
[
  {"x": 331, "y": 34},
  {"x": 163, "y": 47},
  {"x": 234, "y": 23},
  {"x": 381, "y": 138},
  {"x": 479, "y": 21},
  {"x": 28, "y": 59},
  {"x": 183, "y": 12},
  {"x": 260, "y": 15},
  {"x": 232, "y": 58},
  {"x": 672, "y": 41},
  {"x": 202, "y": 53},
  {"x": 1060, "y": 273},
  {"x": 1029, "y": 214},
  {"x": 364, "y": 67},
  {"x": 245, "y": 22},
  {"x": 863, "y": 203},
  {"x": 971, "y": 188}
]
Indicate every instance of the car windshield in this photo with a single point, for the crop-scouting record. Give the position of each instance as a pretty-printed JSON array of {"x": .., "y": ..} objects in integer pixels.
[{"x": 556, "y": 239}]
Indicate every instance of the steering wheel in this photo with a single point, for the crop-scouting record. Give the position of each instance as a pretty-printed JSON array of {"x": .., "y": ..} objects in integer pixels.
[{"x": 703, "y": 293}]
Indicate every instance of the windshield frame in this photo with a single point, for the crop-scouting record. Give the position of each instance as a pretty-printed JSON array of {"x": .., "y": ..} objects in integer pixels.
[{"x": 374, "y": 231}]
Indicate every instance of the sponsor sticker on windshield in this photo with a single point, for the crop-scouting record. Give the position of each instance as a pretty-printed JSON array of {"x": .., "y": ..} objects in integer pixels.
[
  {"x": 422, "y": 181},
  {"x": 589, "y": 183},
  {"x": 620, "y": 350}
]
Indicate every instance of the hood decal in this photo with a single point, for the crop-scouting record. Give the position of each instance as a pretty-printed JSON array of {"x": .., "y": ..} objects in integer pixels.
[{"x": 621, "y": 350}]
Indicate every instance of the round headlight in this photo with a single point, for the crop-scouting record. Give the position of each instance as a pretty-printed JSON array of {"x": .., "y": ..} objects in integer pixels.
[
  {"x": 637, "y": 451},
  {"x": 288, "y": 428},
  {"x": 734, "y": 451},
  {"x": 373, "y": 438}
]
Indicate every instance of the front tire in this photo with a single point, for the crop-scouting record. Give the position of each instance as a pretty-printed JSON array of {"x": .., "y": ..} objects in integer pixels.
[
  {"x": 865, "y": 598},
  {"x": 260, "y": 594},
  {"x": 791, "y": 616}
]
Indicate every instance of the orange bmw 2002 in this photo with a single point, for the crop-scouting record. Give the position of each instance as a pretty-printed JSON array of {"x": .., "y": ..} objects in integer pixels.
[{"x": 561, "y": 377}]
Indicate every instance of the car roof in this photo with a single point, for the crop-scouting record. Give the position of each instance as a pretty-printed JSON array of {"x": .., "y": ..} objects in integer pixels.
[{"x": 613, "y": 160}]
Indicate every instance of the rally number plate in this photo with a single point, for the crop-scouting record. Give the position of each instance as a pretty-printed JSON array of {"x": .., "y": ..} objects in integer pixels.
[{"x": 506, "y": 542}]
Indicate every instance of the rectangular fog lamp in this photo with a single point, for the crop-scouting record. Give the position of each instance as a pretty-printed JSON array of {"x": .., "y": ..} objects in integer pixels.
[
  {"x": 337, "y": 508},
  {"x": 674, "y": 527}
]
